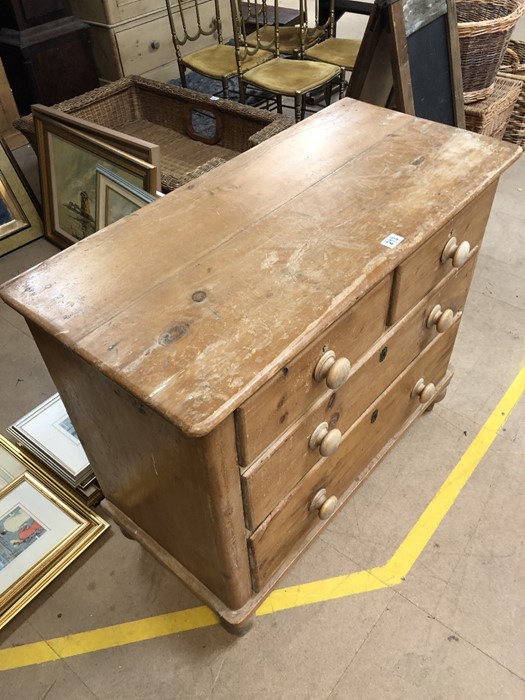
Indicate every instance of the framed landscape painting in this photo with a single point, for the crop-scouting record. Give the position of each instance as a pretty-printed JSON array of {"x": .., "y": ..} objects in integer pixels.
[{"x": 68, "y": 163}]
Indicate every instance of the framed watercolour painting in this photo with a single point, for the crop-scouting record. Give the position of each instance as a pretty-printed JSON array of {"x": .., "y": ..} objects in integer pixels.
[
  {"x": 20, "y": 222},
  {"x": 41, "y": 533},
  {"x": 116, "y": 198},
  {"x": 68, "y": 160}
]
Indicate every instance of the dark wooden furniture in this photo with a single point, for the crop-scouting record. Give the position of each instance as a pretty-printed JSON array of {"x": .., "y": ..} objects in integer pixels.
[
  {"x": 238, "y": 356},
  {"x": 46, "y": 52}
]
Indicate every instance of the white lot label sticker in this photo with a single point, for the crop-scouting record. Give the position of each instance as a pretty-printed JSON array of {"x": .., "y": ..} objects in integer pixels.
[{"x": 392, "y": 240}]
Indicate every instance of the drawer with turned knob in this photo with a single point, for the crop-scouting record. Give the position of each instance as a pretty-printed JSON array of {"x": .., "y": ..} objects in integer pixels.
[
  {"x": 325, "y": 365},
  {"x": 449, "y": 248}
]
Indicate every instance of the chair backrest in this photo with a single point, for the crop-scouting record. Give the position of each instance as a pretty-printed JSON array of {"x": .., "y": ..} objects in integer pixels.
[
  {"x": 191, "y": 21},
  {"x": 260, "y": 22}
]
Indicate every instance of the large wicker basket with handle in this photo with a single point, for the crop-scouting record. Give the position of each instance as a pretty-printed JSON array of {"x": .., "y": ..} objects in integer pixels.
[
  {"x": 484, "y": 28},
  {"x": 162, "y": 114},
  {"x": 514, "y": 67}
]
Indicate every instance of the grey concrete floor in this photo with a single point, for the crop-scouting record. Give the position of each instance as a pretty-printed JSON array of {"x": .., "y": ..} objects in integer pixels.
[{"x": 455, "y": 628}]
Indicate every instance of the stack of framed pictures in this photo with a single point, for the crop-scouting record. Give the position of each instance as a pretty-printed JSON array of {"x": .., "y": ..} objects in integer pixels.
[
  {"x": 43, "y": 528},
  {"x": 70, "y": 150},
  {"x": 48, "y": 433}
]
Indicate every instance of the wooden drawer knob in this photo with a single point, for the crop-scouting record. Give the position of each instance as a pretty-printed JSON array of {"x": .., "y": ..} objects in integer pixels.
[
  {"x": 458, "y": 253},
  {"x": 325, "y": 439},
  {"x": 426, "y": 392},
  {"x": 334, "y": 371},
  {"x": 441, "y": 319},
  {"x": 324, "y": 505}
]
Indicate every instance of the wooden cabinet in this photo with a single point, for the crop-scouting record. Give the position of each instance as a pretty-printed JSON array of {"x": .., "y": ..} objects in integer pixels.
[
  {"x": 238, "y": 357},
  {"x": 46, "y": 52},
  {"x": 133, "y": 37}
]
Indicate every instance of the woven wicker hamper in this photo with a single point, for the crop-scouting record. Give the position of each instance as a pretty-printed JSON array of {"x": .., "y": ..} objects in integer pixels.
[
  {"x": 484, "y": 29},
  {"x": 514, "y": 68},
  {"x": 491, "y": 115},
  {"x": 159, "y": 113}
]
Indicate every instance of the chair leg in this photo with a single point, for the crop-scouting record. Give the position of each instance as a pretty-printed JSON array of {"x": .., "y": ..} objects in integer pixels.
[
  {"x": 242, "y": 91},
  {"x": 298, "y": 104},
  {"x": 182, "y": 73},
  {"x": 279, "y": 101},
  {"x": 225, "y": 88},
  {"x": 342, "y": 77},
  {"x": 328, "y": 93}
]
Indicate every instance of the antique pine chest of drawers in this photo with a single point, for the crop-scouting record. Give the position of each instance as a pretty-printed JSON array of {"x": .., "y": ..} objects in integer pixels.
[{"x": 239, "y": 355}]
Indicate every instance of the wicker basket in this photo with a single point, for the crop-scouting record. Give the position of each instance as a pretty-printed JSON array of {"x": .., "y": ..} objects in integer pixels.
[
  {"x": 491, "y": 115},
  {"x": 514, "y": 68},
  {"x": 484, "y": 28},
  {"x": 159, "y": 113}
]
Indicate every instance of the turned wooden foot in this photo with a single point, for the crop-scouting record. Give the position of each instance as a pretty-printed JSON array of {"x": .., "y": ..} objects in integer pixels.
[
  {"x": 238, "y": 630},
  {"x": 126, "y": 534}
]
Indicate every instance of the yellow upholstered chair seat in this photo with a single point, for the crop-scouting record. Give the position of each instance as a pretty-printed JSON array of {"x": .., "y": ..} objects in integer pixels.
[
  {"x": 219, "y": 60},
  {"x": 340, "y": 52},
  {"x": 289, "y": 38},
  {"x": 289, "y": 77}
]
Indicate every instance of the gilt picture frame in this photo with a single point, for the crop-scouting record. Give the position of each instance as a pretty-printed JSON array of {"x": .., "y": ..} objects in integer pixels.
[
  {"x": 67, "y": 161},
  {"x": 10, "y": 465},
  {"x": 20, "y": 220},
  {"x": 41, "y": 532},
  {"x": 116, "y": 198}
]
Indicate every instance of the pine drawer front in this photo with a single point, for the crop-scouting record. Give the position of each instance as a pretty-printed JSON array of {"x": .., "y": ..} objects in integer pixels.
[
  {"x": 446, "y": 249},
  {"x": 145, "y": 47},
  {"x": 292, "y": 392},
  {"x": 282, "y": 533},
  {"x": 286, "y": 461}
]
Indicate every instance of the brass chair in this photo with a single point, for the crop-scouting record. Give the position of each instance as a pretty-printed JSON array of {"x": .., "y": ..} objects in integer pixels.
[
  {"x": 217, "y": 61},
  {"x": 338, "y": 52},
  {"x": 291, "y": 77}
]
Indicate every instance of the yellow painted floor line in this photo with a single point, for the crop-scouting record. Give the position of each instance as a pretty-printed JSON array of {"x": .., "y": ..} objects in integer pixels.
[{"x": 390, "y": 574}]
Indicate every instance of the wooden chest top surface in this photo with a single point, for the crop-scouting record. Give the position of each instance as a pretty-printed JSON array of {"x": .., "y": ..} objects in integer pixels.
[{"x": 192, "y": 303}]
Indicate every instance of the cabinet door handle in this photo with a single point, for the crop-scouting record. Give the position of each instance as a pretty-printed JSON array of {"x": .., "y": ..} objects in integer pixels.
[
  {"x": 325, "y": 439},
  {"x": 443, "y": 320},
  {"x": 334, "y": 371},
  {"x": 457, "y": 253},
  {"x": 426, "y": 392},
  {"x": 324, "y": 505}
]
